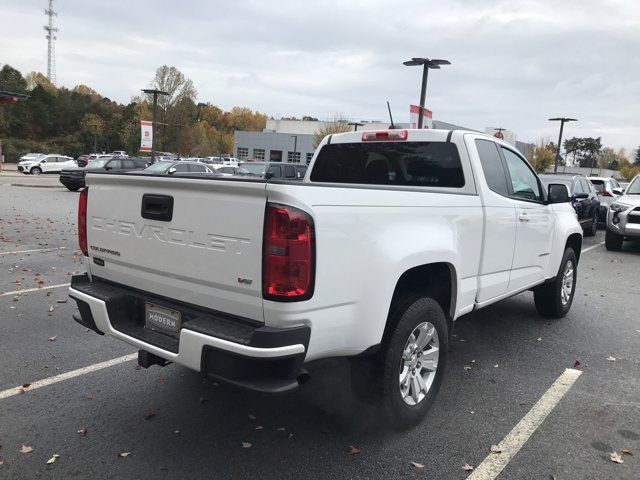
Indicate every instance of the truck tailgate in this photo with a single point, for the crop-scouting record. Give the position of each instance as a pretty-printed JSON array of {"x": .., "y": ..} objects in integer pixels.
[{"x": 207, "y": 252}]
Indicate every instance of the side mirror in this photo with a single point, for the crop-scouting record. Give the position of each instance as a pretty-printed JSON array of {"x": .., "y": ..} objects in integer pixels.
[
  {"x": 172, "y": 170},
  {"x": 558, "y": 193},
  {"x": 581, "y": 196},
  {"x": 268, "y": 175},
  {"x": 618, "y": 191},
  {"x": 43, "y": 161}
]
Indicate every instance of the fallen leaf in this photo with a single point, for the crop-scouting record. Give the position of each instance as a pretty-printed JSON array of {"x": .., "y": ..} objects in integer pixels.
[
  {"x": 539, "y": 339},
  {"x": 124, "y": 454},
  {"x": 62, "y": 301},
  {"x": 259, "y": 427},
  {"x": 52, "y": 459},
  {"x": 495, "y": 449},
  {"x": 90, "y": 396},
  {"x": 611, "y": 359},
  {"x": 467, "y": 467},
  {"x": 151, "y": 414},
  {"x": 82, "y": 432},
  {"x": 50, "y": 308},
  {"x": 252, "y": 417},
  {"x": 616, "y": 458},
  {"x": 281, "y": 429},
  {"x": 576, "y": 364},
  {"x": 246, "y": 445},
  {"x": 25, "y": 449},
  {"x": 626, "y": 451},
  {"x": 53, "y": 339},
  {"x": 1, "y": 462},
  {"x": 177, "y": 432},
  {"x": 417, "y": 465},
  {"x": 353, "y": 450},
  {"x": 523, "y": 404},
  {"x": 496, "y": 365},
  {"x": 467, "y": 367},
  {"x": 26, "y": 385}
]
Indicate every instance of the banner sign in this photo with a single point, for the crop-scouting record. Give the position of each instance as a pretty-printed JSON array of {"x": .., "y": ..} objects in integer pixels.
[
  {"x": 502, "y": 134},
  {"x": 146, "y": 135},
  {"x": 427, "y": 117}
]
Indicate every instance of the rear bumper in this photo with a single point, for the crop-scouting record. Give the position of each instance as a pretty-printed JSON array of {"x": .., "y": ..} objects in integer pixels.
[{"x": 233, "y": 350}]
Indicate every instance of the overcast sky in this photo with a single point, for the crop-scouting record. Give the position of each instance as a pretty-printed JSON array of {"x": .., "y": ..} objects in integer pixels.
[{"x": 514, "y": 63}]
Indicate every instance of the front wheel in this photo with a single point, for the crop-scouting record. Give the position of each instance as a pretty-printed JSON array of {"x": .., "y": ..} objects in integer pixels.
[
  {"x": 554, "y": 299},
  {"x": 613, "y": 241},
  {"x": 36, "y": 171},
  {"x": 410, "y": 365}
]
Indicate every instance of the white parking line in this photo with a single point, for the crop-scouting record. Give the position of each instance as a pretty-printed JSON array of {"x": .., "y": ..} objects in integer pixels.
[
  {"x": 491, "y": 467},
  {"x": 66, "y": 376},
  {"x": 53, "y": 249},
  {"x": 585, "y": 250},
  {"x": 27, "y": 290}
]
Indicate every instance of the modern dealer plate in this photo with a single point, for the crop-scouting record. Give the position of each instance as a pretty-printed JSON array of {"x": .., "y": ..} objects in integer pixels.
[{"x": 162, "y": 320}]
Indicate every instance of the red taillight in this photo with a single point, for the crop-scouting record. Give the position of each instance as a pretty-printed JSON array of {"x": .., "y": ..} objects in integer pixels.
[
  {"x": 605, "y": 194},
  {"x": 385, "y": 136},
  {"x": 82, "y": 221},
  {"x": 288, "y": 254}
]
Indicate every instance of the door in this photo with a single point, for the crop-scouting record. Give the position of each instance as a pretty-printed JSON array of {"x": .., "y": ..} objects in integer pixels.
[
  {"x": 499, "y": 236},
  {"x": 48, "y": 164},
  {"x": 578, "y": 203},
  {"x": 534, "y": 228},
  {"x": 64, "y": 162}
]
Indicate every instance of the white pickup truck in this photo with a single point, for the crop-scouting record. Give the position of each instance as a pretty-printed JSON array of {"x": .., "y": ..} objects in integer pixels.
[{"x": 389, "y": 239}]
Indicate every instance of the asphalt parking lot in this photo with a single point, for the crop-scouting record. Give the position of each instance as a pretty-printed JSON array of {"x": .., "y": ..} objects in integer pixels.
[{"x": 171, "y": 423}]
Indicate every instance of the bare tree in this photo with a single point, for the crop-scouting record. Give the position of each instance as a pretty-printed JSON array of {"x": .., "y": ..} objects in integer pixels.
[
  {"x": 337, "y": 125},
  {"x": 171, "y": 80}
]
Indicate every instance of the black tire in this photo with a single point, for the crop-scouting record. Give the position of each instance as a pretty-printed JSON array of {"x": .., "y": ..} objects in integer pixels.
[
  {"x": 613, "y": 241},
  {"x": 73, "y": 189},
  {"x": 35, "y": 171},
  {"x": 593, "y": 228},
  {"x": 381, "y": 373},
  {"x": 548, "y": 297}
]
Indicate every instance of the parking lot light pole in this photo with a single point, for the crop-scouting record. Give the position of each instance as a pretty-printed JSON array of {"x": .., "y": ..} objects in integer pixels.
[
  {"x": 355, "y": 125},
  {"x": 155, "y": 92},
  {"x": 562, "y": 121},
  {"x": 426, "y": 65},
  {"x": 295, "y": 147}
]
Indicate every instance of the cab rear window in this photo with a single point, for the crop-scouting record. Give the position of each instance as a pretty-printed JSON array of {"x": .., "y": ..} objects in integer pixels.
[{"x": 423, "y": 164}]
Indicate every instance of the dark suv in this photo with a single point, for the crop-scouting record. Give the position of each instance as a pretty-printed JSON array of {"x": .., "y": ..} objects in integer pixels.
[
  {"x": 274, "y": 170},
  {"x": 582, "y": 196},
  {"x": 73, "y": 178}
]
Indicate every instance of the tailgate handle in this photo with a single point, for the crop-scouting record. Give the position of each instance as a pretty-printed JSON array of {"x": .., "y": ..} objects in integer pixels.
[{"x": 157, "y": 207}]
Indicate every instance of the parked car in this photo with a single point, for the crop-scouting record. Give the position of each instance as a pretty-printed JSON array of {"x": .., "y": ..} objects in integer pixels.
[
  {"x": 82, "y": 162},
  {"x": 52, "y": 163},
  {"x": 582, "y": 196},
  {"x": 74, "y": 178},
  {"x": 223, "y": 160},
  {"x": 226, "y": 170},
  {"x": 623, "y": 186},
  {"x": 608, "y": 189},
  {"x": 31, "y": 156},
  {"x": 118, "y": 153},
  {"x": 273, "y": 171},
  {"x": 170, "y": 168},
  {"x": 392, "y": 236},
  {"x": 623, "y": 217}
]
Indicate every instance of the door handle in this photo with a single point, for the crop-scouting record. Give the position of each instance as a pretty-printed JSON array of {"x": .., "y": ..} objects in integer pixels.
[{"x": 524, "y": 217}]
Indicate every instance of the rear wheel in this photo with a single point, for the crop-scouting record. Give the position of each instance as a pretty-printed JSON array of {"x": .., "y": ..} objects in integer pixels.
[
  {"x": 554, "y": 299},
  {"x": 405, "y": 376},
  {"x": 613, "y": 241},
  {"x": 36, "y": 171}
]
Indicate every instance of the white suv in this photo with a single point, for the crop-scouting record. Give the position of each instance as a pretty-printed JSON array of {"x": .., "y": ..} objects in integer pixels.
[{"x": 52, "y": 163}]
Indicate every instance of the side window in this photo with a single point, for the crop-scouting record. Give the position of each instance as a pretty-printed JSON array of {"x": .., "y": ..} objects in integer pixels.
[
  {"x": 584, "y": 183},
  {"x": 289, "y": 171},
  {"x": 523, "y": 181},
  {"x": 128, "y": 164},
  {"x": 578, "y": 187},
  {"x": 492, "y": 166},
  {"x": 181, "y": 167},
  {"x": 197, "y": 168},
  {"x": 114, "y": 164},
  {"x": 275, "y": 171}
]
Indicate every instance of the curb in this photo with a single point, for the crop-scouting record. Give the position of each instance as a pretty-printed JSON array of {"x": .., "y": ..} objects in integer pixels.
[{"x": 35, "y": 186}]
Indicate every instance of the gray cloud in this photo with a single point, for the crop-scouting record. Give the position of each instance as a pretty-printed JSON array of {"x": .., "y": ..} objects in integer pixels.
[{"x": 514, "y": 64}]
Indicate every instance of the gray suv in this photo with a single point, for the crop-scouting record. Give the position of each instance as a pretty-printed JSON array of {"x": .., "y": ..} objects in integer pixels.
[{"x": 623, "y": 217}]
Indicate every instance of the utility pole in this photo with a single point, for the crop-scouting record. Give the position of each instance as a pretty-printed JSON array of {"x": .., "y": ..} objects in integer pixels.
[
  {"x": 426, "y": 65},
  {"x": 51, "y": 38},
  {"x": 155, "y": 93},
  {"x": 562, "y": 121},
  {"x": 178, "y": 126}
]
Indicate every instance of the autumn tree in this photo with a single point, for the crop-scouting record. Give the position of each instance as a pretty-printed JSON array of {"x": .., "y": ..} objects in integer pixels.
[
  {"x": 338, "y": 125},
  {"x": 35, "y": 79},
  {"x": 542, "y": 158},
  {"x": 94, "y": 125}
]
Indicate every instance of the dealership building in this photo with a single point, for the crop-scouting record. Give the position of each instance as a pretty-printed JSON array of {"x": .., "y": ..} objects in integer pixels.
[{"x": 292, "y": 140}]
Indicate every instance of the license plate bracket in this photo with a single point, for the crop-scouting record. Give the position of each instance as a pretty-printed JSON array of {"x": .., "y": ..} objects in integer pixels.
[{"x": 162, "y": 320}]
